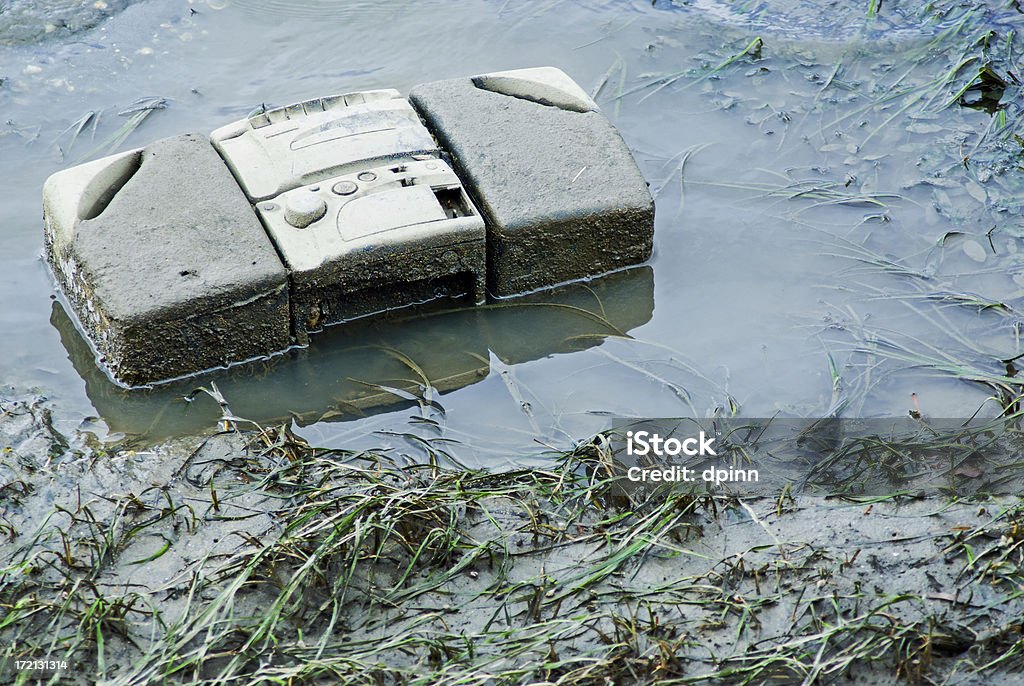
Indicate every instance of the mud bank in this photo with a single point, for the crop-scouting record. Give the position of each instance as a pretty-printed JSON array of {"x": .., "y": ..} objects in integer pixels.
[{"x": 248, "y": 556}]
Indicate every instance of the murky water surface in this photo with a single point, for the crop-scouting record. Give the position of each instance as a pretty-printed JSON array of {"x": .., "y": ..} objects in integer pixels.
[{"x": 838, "y": 197}]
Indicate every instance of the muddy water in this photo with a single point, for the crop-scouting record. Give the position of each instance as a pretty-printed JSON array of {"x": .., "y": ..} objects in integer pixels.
[
  {"x": 824, "y": 203},
  {"x": 25, "y": 21}
]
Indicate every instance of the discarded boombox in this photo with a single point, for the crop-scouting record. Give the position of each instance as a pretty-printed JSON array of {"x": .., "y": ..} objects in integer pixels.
[{"x": 195, "y": 252}]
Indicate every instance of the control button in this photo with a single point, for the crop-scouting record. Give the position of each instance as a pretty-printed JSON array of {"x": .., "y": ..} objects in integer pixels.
[
  {"x": 303, "y": 208},
  {"x": 345, "y": 187},
  {"x": 367, "y": 176}
]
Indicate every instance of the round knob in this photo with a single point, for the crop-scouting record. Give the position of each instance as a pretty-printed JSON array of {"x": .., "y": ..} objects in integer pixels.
[
  {"x": 345, "y": 187},
  {"x": 302, "y": 209}
]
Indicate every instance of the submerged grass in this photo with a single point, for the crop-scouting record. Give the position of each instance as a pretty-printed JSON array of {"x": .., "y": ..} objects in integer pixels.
[{"x": 135, "y": 115}]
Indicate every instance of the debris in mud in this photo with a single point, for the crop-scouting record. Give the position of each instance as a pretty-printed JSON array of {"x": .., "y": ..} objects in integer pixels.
[
  {"x": 27, "y": 433},
  {"x": 985, "y": 92}
]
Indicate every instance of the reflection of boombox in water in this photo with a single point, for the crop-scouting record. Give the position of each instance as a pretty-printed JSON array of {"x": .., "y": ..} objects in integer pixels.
[
  {"x": 364, "y": 202},
  {"x": 374, "y": 364}
]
